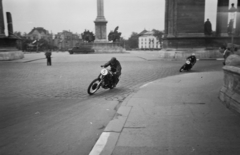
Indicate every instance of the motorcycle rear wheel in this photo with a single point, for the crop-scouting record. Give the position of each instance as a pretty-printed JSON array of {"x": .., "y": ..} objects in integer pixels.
[{"x": 94, "y": 86}]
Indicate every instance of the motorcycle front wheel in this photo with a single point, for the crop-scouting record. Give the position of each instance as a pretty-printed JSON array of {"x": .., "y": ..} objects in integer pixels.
[
  {"x": 94, "y": 86},
  {"x": 182, "y": 68}
]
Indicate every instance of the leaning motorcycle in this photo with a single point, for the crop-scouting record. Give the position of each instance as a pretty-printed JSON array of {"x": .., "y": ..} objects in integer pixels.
[
  {"x": 187, "y": 66},
  {"x": 104, "y": 80}
]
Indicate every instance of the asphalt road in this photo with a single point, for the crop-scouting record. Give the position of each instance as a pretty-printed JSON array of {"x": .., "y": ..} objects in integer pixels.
[{"x": 46, "y": 109}]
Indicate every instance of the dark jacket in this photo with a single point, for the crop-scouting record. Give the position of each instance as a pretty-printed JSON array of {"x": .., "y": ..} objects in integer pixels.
[
  {"x": 193, "y": 58},
  {"x": 226, "y": 53},
  {"x": 48, "y": 54},
  {"x": 115, "y": 65}
]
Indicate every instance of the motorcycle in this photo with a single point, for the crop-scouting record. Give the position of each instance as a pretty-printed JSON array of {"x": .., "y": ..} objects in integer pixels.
[
  {"x": 188, "y": 65},
  {"x": 104, "y": 80}
]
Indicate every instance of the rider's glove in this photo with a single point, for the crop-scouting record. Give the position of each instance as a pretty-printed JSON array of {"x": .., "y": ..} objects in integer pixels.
[{"x": 101, "y": 65}]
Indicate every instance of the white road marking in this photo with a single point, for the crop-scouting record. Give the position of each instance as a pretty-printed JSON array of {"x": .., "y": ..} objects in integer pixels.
[
  {"x": 211, "y": 59},
  {"x": 101, "y": 143},
  {"x": 145, "y": 85}
]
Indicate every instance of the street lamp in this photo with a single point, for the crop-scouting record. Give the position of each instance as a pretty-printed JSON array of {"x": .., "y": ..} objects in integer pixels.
[{"x": 232, "y": 23}]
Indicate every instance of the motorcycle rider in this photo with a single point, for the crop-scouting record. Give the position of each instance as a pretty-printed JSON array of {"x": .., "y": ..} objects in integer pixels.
[
  {"x": 193, "y": 58},
  {"x": 226, "y": 53},
  {"x": 115, "y": 68}
]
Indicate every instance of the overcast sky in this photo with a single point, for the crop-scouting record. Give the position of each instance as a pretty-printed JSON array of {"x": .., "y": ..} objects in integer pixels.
[{"x": 78, "y": 15}]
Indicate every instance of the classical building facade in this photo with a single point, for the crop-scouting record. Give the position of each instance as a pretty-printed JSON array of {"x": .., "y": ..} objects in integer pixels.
[{"x": 147, "y": 41}]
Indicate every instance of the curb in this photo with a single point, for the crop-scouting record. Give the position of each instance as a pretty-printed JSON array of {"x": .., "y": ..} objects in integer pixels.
[
  {"x": 108, "y": 139},
  {"x": 210, "y": 59}
]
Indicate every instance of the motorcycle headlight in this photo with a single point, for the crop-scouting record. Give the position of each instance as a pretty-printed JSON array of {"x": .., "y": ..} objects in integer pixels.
[
  {"x": 188, "y": 62},
  {"x": 104, "y": 71}
]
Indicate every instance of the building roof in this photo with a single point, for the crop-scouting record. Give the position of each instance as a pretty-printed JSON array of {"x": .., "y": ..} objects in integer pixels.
[
  {"x": 146, "y": 33},
  {"x": 141, "y": 33},
  {"x": 149, "y": 33},
  {"x": 39, "y": 29}
]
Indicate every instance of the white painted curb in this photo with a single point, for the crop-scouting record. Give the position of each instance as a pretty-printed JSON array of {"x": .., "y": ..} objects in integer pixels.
[{"x": 101, "y": 143}]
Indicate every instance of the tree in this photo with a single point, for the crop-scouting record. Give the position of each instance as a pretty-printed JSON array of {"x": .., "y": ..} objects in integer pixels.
[
  {"x": 133, "y": 40},
  {"x": 19, "y": 34},
  {"x": 158, "y": 34},
  {"x": 123, "y": 42},
  {"x": 43, "y": 44}
]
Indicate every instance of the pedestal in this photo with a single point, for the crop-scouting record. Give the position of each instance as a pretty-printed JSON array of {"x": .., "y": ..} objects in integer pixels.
[
  {"x": 106, "y": 47},
  {"x": 8, "y": 50}
]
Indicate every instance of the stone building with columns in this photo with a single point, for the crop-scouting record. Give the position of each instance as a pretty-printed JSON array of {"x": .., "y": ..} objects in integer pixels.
[{"x": 184, "y": 24}]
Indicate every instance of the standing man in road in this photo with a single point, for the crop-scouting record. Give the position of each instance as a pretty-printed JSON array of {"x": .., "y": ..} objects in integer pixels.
[{"x": 48, "y": 56}]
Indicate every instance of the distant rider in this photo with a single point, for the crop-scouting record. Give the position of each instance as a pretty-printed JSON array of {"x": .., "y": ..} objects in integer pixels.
[
  {"x": 193, "y": 58},
  {"x": 115, "y": 68}
]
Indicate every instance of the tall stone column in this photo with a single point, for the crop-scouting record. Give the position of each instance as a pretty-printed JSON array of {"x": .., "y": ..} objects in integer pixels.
[
  {"x": 237, "y": 31},
  {"x": 166, "y": 18},
  {"x": 100, "y": 23},
  {"x": 2, "y": 28},
  {"x": 171, "y": 21},
  {"x": 9, "y": 24},
  {"x": 184, "y": 20},
  {"x": 222, "y": 18}
]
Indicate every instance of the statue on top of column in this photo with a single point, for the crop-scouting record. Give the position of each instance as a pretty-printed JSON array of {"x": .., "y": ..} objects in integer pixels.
[
  {"x": 232, "y": 12},
  {"x": 208, "y": 28}
]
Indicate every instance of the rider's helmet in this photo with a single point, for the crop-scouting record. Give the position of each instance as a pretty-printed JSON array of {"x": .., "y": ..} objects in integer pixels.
[
  {"x": 113, "y": 60},
  {"x": 193, "y": 54}
]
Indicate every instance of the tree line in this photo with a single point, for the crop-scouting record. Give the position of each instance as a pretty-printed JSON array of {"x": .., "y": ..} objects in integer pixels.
[{"x": 130, "y": 43}]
